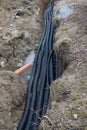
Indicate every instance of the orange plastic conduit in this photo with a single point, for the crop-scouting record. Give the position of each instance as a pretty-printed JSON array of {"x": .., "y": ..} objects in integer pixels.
[{"x": 22, "y": 69}]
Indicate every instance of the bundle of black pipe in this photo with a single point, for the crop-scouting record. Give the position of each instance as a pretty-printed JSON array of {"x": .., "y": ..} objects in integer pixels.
[{"x": 43, "y": 73}]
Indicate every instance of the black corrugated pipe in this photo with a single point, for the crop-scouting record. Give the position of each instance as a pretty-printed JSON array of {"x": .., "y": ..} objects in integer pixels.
[
  {"x": 26, "y": 108},
  {"x": 43, "y": 73}
]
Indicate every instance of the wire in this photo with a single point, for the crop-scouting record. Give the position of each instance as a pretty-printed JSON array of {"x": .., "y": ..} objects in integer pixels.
[{"x": 43, "y": 73}]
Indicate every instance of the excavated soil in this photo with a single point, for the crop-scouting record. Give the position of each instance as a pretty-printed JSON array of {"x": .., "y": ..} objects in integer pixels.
[{"x": 20, "y": 30}]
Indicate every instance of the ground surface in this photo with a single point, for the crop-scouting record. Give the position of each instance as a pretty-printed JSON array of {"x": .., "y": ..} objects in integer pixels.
[
  {"x": 19, "y": 23},
  {"x": 20, "y": 29}
]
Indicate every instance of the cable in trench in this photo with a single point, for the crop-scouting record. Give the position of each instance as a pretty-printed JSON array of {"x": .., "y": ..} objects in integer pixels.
[{"x": 43, "y": 73}]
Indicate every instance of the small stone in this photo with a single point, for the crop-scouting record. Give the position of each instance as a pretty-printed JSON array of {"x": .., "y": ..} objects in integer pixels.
[
  {"x": 20, "y": 12},
  {"x": 15, "y": 126},
  {"x": 16, "y": 17},
  {"x": 84, "y": 94},
  {"x": 6, "y": 37},
  {"x": 21, "y": 60},
  {"x": 25, "y": 35},
  {"x": 56, "y": 21},
  {"x": 75, "y": 116},
  {"x": 2, "y": 64},
  {"x": 67, "y": 108},
  {"x": 26, "y": 2},
  {"x": 36, "y": 45},
  {"x": 59, "y": 125},
  {"x": 28, "y": 77},
  {"x": 19, "y": 65}
]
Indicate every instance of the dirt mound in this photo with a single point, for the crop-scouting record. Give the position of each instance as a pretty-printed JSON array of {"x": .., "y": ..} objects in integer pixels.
[{"x": 12, "y": 96}]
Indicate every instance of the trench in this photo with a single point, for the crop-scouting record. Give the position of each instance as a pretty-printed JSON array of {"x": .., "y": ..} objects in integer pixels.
[
  {"x": 62, "y": 13},
  {"x": 45, "y": 69}
]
